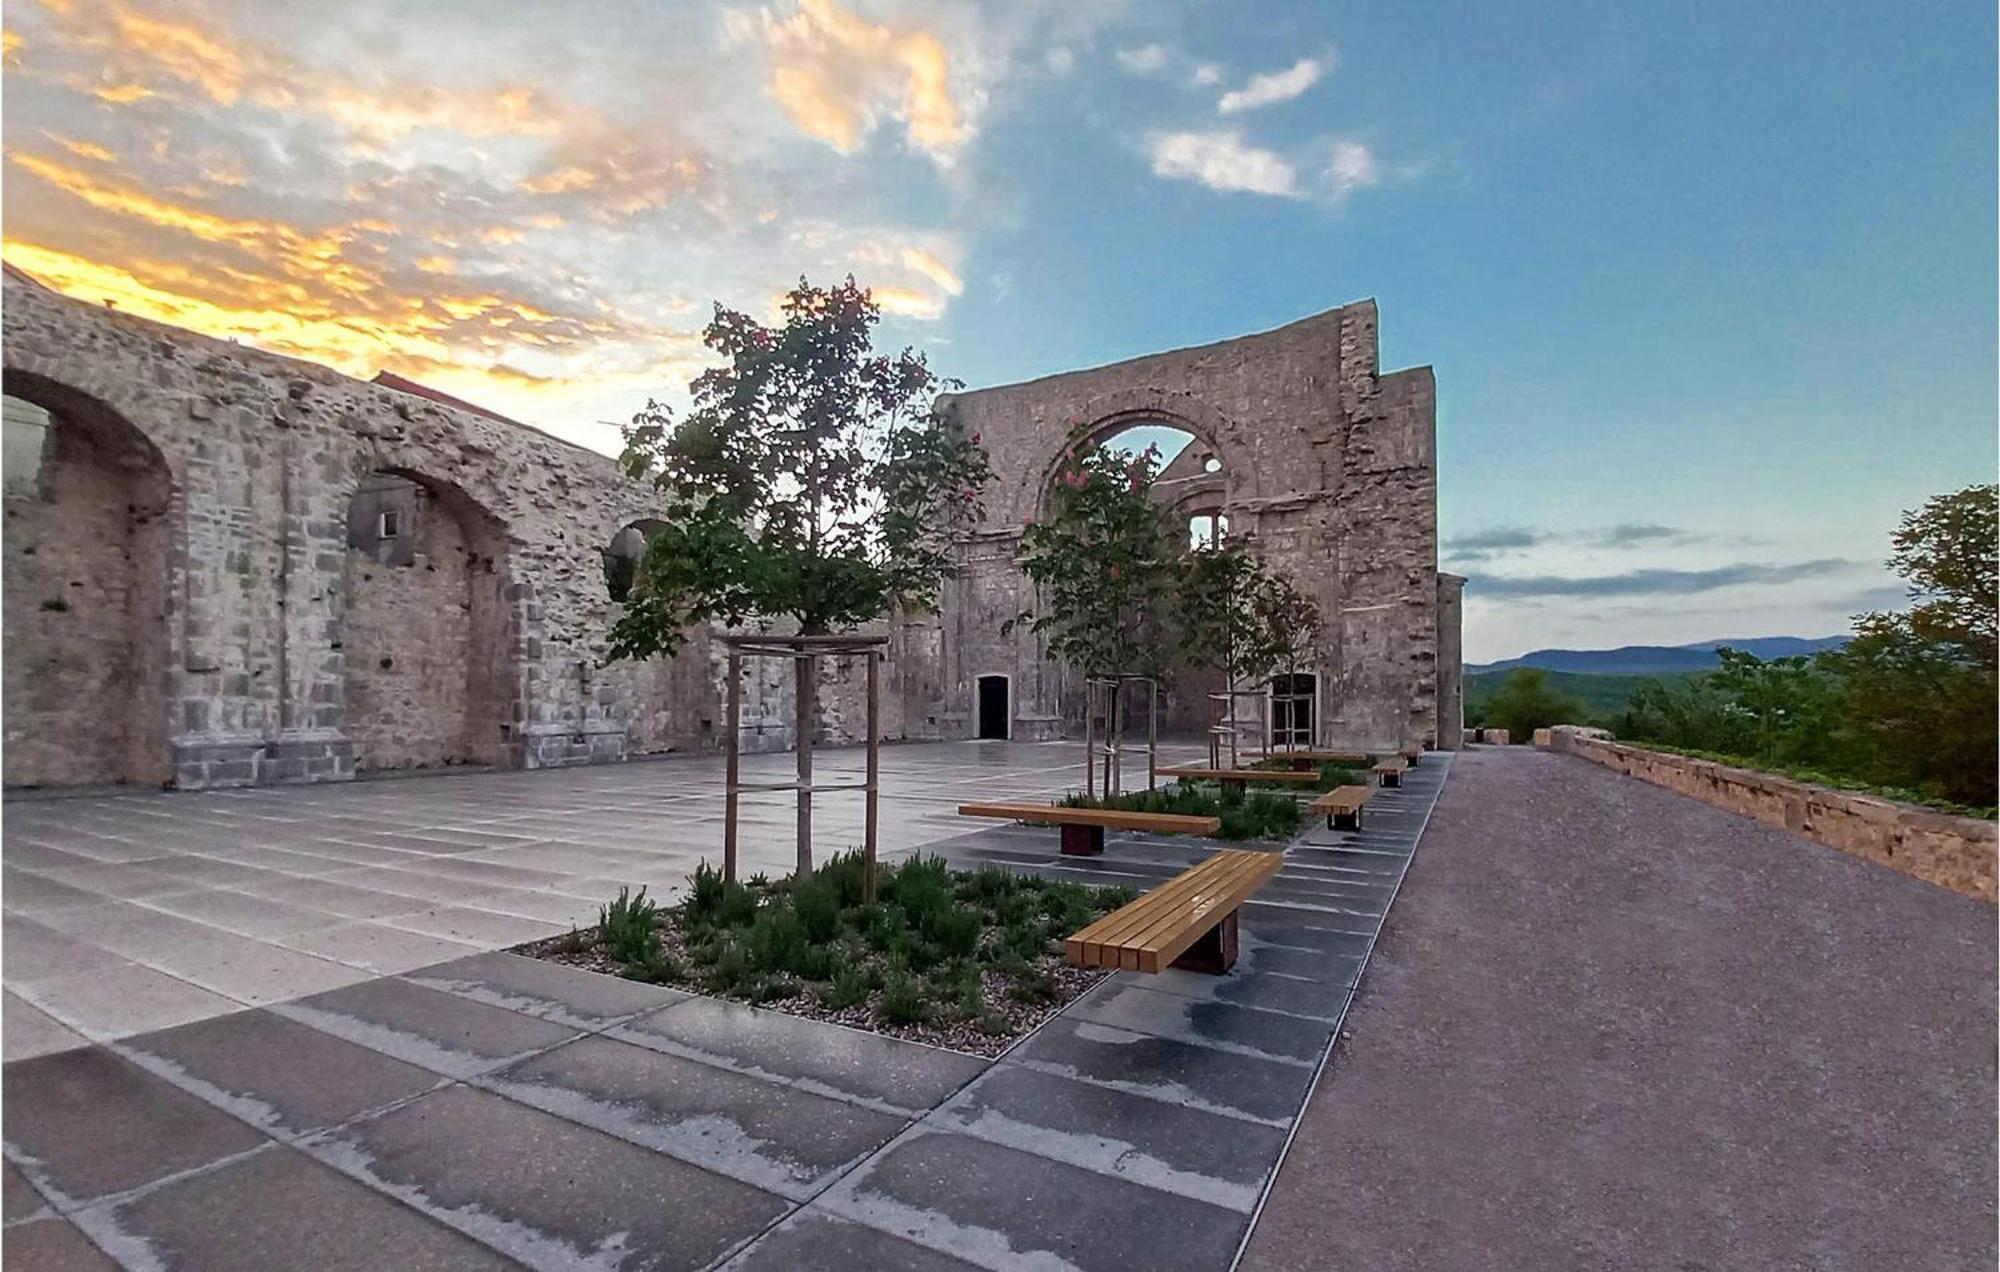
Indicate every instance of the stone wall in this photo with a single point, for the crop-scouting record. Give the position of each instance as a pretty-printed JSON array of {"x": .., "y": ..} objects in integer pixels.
[
  {"x": 1952, "y": 852},
  {"x": 1332, "y": 467},
  {"x": 232, "y": 633}
]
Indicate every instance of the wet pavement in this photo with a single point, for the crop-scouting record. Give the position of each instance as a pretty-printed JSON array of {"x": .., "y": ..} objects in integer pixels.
[{"x": 494, "y": 1111}]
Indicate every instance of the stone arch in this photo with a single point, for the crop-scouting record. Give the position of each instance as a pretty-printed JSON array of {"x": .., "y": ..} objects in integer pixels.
[
  {"x": 427, "y": 630},
  {"x": 1113, "y": 414},
  {"x": 91, "y": 534}
]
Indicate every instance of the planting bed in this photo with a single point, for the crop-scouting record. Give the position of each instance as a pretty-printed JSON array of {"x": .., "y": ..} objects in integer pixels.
[{"x": 966, "y": 960}]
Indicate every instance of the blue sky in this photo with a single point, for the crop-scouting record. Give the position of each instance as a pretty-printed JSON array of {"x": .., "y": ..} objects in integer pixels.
[{"x": 1709, "y": 289}]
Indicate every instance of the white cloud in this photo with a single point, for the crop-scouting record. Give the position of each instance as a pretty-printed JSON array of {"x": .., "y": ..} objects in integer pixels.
[
  {"x": 1207, "y": 73},
  {"x": 1221, "y": 161},
  {"x": 1060, "y": 60},
  {"x": 1277, "y": 86},
  {"x": 1353, "y": 168},
  {"x": 1148, "y": 59}
]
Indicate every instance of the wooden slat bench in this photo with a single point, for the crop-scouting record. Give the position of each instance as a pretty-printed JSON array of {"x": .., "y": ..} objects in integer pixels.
[
  {"x": 1390, "y": 772},
  {"x": 1313, "y": 759},
  {"x": 1342, "y": 806},
  {"x": 1233, "y": 781},
  {"x": 1188, "y": 921},
  {"x": 1083, "y": 828},
  {"x": 1413, "y": 755}
]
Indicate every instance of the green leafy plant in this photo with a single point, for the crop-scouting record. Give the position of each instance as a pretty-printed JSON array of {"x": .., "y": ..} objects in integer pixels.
[
  {"x": 629, "y": 929},
  {"x": 903, "y": 1000}
]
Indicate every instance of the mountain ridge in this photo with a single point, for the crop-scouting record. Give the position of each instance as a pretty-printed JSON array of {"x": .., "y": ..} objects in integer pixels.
[{"x": 1659, "y": 660}]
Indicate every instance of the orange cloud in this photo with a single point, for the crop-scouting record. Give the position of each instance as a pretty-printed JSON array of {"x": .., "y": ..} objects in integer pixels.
[
  {"x": 907, "y": 303},
  {"x": 831, "y": 70},
  {"x": 930, "y": 266}
]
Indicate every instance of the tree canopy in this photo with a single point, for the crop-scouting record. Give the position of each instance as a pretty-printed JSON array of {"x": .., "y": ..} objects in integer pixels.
[{"x": 810, "y": 478}]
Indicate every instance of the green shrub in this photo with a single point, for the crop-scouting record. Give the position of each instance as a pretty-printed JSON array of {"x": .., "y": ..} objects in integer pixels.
[
  {"x": 903, "y": 1000},
  {"x": 817, "y": 903},
  {"x": 627, "y": 928},
  {"x": 1333, "y": 775},
  {"x": 849, "y": 987},
  {"x": 778, "y": 941},
  {"x": 1105, "y": 900},
  {"x": 846, "y": 875},
  {"x": 955, "y": 929}
]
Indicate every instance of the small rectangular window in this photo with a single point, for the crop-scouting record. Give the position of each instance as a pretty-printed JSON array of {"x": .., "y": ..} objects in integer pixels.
[{"x": 391, "y": 523}]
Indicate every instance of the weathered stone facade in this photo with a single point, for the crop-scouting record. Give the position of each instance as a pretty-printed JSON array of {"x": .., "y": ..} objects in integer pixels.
[
  {"x": 1329, "y": 464},
  {"x": 221, "y": 624}
]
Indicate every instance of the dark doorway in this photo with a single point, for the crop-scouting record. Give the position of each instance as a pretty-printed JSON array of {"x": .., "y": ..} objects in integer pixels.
[
  {"x": 1292, "y": 710},
  {"x": 993, "y": 707}
]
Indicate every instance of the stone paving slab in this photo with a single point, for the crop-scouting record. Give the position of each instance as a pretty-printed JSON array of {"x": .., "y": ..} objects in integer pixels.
[
  {"x": 1247, "y": 1031},
  {"x": 813, "y": 1239},
  {"x": 779, "y": 1138},
  {"x": 998, "y": 1207},
  {"x": 277, "y": 1074},
  {"x": 280, "y": 1209},
  {"x": 1172, "y": 1071},
  {"x": 546, "y": 1191},
  {"x": 886, "y": 1073},
  {"x": 21, "y": 1199},
  {"x": 536, "y": 987},
  {"x": 1221, "y": 1160},
  {"x": 426, "y": 1027},
  {"x": 51, "y": 1245},
  {"x": 87, "y": 1124}
]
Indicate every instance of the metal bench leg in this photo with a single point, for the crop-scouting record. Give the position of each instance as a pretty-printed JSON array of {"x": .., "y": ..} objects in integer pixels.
[
  {"x": 1082, "y": 841},
  {"x": 1344, "y": 821},
  {"x": 1214, "y": 952}
]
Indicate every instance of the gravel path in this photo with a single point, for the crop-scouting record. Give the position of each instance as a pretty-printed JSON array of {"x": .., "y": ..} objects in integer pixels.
[{"x": 1608, "y": 1026}]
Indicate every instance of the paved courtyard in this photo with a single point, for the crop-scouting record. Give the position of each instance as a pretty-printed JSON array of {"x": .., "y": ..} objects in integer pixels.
[
  {"x": 483, "y": 1110},
  {"x": 132, "y": 912}
]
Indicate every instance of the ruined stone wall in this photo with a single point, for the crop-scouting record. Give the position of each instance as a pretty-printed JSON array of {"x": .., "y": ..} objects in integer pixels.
[
  {"x": 260, "y": 456},
  {"x": 256, "y": 637},
  {"x": 1329, "y": 464}
]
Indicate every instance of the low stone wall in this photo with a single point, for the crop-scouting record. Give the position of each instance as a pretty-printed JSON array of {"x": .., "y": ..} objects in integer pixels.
[{"x": 1952, "y": 852}]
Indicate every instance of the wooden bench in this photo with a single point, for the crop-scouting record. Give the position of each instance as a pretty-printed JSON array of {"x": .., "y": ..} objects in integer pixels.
[
  {"x": 1313, "y": 759},
  {"x": 1233, "y": 781},
  {"x": 1390, "y": 772},
  {"x": 1188, "y": 921},
  {"x": 1413, "y": 754},
  {"x": 1083, "y": 828},
  {"x": 1342, "y": 806}
]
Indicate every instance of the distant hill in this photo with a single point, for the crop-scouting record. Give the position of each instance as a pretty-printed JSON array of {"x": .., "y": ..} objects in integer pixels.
[
  {"x": 1601, "y": 696},
  {"x": 1658, "y": 660}
]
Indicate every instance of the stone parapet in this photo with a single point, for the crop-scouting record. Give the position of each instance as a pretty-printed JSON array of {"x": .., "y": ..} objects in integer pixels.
[{"x": 1952, "y": 852}]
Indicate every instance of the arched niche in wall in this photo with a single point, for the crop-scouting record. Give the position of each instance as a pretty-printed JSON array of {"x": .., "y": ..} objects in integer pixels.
[
  {"x": 87, "y": 579},
  {"x": 623, "y": 554},
  {"x": 427, "y": 633}
]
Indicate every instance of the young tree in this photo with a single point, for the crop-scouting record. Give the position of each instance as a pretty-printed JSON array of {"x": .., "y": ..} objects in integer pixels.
[
  {"x": 1920, "y": 687},
  {"x": 1239, "y": 619},
  {"x": 1526, "y": 701},
  {"x": 810, "y": 480},
  {"x": 1105, "y": 564}
]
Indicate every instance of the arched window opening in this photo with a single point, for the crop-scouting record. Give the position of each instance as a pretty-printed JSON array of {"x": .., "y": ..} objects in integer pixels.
[
  {"x": 1207, "y": 529},
  {"x": 622, "y": 556},
  {"x": 27, "y": 430}
]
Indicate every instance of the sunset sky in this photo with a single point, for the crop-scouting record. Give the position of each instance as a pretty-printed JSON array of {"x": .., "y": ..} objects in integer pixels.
[{"x": 1709, "y": 288}]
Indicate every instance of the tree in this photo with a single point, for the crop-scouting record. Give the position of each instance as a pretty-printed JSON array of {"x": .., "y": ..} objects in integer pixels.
[
  {"x": 1526, "y": 701},
  {"x": 1105, "y": 564},
  {"x": 811, "y": 480},
  {"x": 1220, "y": 626},
  {"x": 1920, "y": 688}
]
